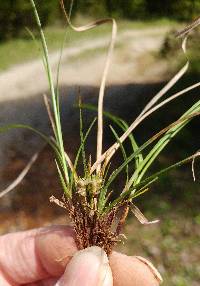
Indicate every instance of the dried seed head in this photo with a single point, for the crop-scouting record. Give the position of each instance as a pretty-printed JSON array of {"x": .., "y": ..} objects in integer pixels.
[
  {"x": 81, "y": 187},
  {"x": 89, "y": 186}
]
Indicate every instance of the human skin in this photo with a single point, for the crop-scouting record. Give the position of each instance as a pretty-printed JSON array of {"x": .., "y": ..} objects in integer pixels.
[{"x": 49, "y": 257}]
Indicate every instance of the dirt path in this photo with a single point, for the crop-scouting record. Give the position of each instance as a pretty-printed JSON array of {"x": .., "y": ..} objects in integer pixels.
[{"x": 25, "y": 80}]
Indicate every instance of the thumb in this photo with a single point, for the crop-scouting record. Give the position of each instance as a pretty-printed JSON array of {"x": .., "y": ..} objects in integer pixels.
[{"x": 88, "y": 267}]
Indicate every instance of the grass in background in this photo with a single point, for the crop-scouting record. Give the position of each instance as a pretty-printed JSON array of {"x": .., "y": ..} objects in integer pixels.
[
  {"x": 20, "y": 50},
  {"x": 170, "y": 50},
  {"x": 173, "y": 245}
]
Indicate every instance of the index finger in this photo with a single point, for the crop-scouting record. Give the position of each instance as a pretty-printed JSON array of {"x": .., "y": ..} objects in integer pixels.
[
  {"x": 34, "y": 255},
  {"x": 37, "y": 254}
]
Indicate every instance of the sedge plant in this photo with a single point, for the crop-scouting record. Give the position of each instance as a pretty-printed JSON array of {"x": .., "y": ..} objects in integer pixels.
[{"x": 97, "y": 217}]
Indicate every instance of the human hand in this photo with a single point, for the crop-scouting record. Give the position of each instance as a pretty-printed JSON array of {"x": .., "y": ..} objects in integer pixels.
[{"x": 49, "y": 257}]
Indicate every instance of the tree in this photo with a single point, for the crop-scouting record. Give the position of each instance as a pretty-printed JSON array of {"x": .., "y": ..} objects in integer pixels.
[{"x": 15, "y": 15}]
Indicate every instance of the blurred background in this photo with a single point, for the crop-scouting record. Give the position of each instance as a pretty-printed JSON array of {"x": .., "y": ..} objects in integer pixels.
[{"x": 147, "y": 54}]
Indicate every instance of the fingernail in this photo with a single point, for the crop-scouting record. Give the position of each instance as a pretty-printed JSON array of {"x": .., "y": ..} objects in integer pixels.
[{"x": 88, "y": 267}]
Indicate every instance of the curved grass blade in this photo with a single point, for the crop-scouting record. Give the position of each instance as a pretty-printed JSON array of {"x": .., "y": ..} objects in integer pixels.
[
  {"x": 142, "y": 187},
  {"x": 48, "y": 108},
  {"x": 147, "y": 143},
  {"x": 170, "y": 84},
  {"x": 122, "y": 124},
  {"x": 135, "y": 147},
  {"x": 132, "y": 156},
  {"x": 123, "y": 151},
  {"x": 139, "y": 215},
  {"x": 157, "y": 175},
  {"x": 8, "y": 127},
  {"x": 184, "y": 32},
  {"x": 66, "y": 190},
  {"x": 110, "y": 152},
  {"x": 21, "y": 176},
  {"x": 52, "y": 143},
  {"x": 79, "y": 151},
  {"x": 82, "y": 139},
  {"x": 59, "y": 137},
  {"x": 82, "y": 144},
  {"x": 148, "y": 110},
  {"x": 59, "y": 64},
  {"x": 161, "y": 144},
  {"x": 105, "y": 72}
]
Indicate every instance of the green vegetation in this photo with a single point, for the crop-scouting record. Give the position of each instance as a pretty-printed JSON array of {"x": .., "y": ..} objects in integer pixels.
[
  {"x": 173, "y": 244},
  {"x": 22, "y": 49},
  {"x": 171, "y": 50},
  {"x": 14, "y": 15}
]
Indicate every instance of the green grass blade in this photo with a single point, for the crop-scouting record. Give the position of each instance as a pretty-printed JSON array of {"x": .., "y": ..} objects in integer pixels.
[
  {"x": 142, "y": 187},
  {"x": 146, "y": 144},
  {"x": 53, "y": 144},
  {"x": 59, "y": 138},
  {"x": 62, "y": 180},
  {"x": 161, "y": 144},
  {"x": 82, "y": 145},
  {"x": 8, "y": 127},
  {"x": 58, "y": 72},
  {"x": 139, "y": 158},
  {"x": 123, "y": 151},
  {"x": 122, "y": 124},
  {"x": 157, "y": 175},
  {"x": 82, "y": 141},
  {"x": 80, "y": 149}
]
